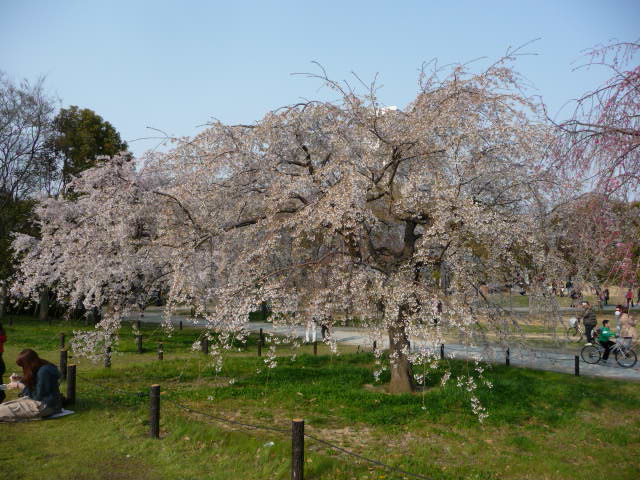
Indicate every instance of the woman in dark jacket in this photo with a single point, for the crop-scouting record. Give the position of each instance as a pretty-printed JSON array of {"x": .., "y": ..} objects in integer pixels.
[{"x": 40, "y": 390}]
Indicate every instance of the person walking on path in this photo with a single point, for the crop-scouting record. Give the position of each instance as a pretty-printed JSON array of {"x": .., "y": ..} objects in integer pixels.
[
  {"x": 604, "y": 339},
  {"x": 606, "y": 296},
  {"x": 627, "y": 324},
  {"x": 40, "y": 390},
  {"x": 629, "y": 298},
  {"x": 589, "y": 321},
  {"x": 3, "y": 368},
  {"x": 310, "y": 328}
]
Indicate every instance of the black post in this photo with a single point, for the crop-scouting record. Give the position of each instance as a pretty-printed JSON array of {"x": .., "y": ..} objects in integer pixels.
[
  {"x": 61, "y": 340},
  {"x": 180, "y": 325},
  {"x": 315, "y": 347},
  {"x": 71, "y": 384},
  {"x": 442, "y": 351},
  {"x": 107, "y": 358},
  {"x": 297, "y": 449},
  {"x": 375, "y": 345},
  {"x": 154, "y": 411},
  {"x": 63, "y": 364},
  {"x": 507, "y": 359},
  {"x": 204, "y": 345},
  {"x": 260, "y": 343},
  {"x": 160, "y": 351},
  {"x": 139, "y": 343},
  {"x": 576, "y": 360},
  {"x": 261, "y": 337},
  {"x": 138, "y": 324}
]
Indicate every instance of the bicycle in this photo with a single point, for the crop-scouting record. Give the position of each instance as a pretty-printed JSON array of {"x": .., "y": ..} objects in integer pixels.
[
  {"x": 576, "y": 331},
  {"x": 625, "y": 356}
]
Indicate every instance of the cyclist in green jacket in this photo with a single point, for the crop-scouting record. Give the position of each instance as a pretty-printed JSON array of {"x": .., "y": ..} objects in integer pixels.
[{"x": 604, "y": 335}]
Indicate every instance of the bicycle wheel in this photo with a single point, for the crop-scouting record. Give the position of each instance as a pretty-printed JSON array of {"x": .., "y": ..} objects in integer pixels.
[
  {"x": 626, "y": 358},
  {"x": 574, "y": 334},
  {"x": 590, "y": 354}
]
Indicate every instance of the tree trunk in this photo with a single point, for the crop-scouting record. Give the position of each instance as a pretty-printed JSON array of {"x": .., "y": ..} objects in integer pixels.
[
  {"x": 401, "y": 372},
  {"x": 44, "y": 304}
]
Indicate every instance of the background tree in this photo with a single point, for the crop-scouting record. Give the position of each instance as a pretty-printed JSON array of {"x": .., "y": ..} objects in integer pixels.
[
  {"x": 598, "y": 149},
  {"x": 81, "y": 136},
  {"x": 26, "y": 166},
  {"x": 601, "y": 141}
]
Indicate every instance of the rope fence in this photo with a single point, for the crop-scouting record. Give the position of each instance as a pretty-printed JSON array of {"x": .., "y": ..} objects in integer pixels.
[{"x": 297, "y": 430}]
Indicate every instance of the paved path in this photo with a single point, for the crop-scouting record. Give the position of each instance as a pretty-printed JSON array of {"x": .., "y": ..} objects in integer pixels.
[{"x": 556, "y": 361}]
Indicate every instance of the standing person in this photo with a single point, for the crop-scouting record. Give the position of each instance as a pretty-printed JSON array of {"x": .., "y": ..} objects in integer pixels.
[
  {"x": 604, "y": 337},
  {"x": 40, "y": 391},
  {"x": 629, "y": 298},
  {"x": 627, "y": 326},
  {"x": 325, "y": 328},
  {"x": 311, "y": 328},
  {"x": 3, "y": 368},
  {"x": 606, "y": 296},
  {"x": 588, "y": 320}
]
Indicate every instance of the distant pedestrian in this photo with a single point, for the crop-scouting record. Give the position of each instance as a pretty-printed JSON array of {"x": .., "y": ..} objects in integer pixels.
[
  {"x": 310, "y": 329},
  {"x": 574, "y": 298},
  {"x": 629, "y": 298},
  {"x": 589, "y": 321},
  {"x": 606, "y": 296}
]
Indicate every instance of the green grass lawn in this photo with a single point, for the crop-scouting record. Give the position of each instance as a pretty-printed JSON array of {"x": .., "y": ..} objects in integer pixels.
[{"x": 542, "y": 425}]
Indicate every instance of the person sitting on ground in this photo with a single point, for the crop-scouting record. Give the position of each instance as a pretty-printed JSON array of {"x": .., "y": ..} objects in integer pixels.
[
  {"x": 627, "y": 324},
  {"x": 39, "y": 383},
  {"x": 604, "y": 335},
  {"x": 3, "y": 339},
  {"x": 589, "y": 321}
]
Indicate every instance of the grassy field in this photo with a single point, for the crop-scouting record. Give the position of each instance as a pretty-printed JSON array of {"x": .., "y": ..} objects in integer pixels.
[{"x": 542, "y": 425}]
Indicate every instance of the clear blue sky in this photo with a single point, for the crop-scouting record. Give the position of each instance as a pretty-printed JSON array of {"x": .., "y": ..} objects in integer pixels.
[{"x": 175, "y": 64}]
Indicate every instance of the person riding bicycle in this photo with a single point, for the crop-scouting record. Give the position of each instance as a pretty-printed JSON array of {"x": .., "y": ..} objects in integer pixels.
[
  {"x": 604, "y": 335},
  {"x": 589, "y": 321}
]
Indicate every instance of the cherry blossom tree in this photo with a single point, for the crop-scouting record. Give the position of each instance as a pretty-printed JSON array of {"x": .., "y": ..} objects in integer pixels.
[
  {"x": 599, "y": 149},
  {"x": 601, "y": 140},
  {"x": 323, "y": 209}
]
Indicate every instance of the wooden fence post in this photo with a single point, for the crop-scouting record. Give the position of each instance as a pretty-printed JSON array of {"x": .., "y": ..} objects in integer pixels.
[
  {"x": 260, "y": 342},
  {"x": 297, "y": 449},
  {"x": 204, "y": 345},
  {"x": 160, "y": 351},
  {"x": 315, "y": 347},
  {"x": 576, "y": 361},
  {"x": 71, "y": 384},
  {"x": 63, "y": 364},
  {"x": 507, "y": 358},
  {"x": 180, "y": 325},
  {"x": 139, "y": 343},
  {"x": 154, "y": 411},
  {"x": 107, "y": 357},
  {"x": 61, "y": 340},
  {"x": 442, "y": 351}
]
